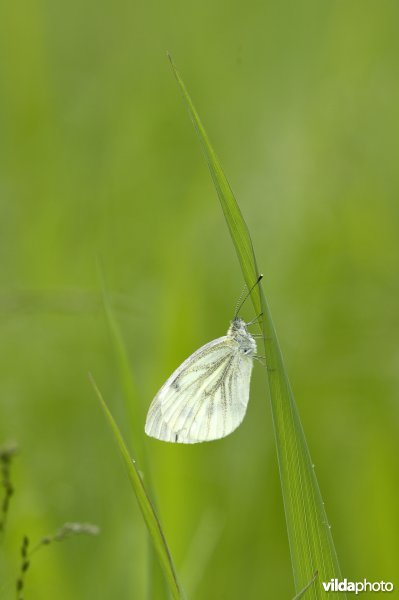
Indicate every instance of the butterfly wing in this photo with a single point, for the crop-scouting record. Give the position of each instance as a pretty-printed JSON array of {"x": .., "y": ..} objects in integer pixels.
[{"x": 205, "y": 398}]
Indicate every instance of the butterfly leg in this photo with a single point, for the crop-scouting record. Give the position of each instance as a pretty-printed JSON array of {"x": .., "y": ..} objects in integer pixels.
[
  {"x": 261, "y": 359},
  {"x": 255, "y": 319},
  {"x": 267, "y": 338}
]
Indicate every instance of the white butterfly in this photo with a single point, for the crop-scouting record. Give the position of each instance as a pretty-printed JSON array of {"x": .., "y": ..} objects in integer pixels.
[{"x": 206, "y": 397}]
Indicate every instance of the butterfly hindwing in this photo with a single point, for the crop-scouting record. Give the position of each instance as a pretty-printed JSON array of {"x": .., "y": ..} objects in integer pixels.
[{"x": 205, "y": 398}]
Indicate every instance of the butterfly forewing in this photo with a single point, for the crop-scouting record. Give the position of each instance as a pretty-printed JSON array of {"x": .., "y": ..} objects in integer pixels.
[{"x": 205, "y": 398}]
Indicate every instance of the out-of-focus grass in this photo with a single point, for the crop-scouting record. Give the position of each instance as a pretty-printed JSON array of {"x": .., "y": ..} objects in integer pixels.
[
  {"x": 146, "y": 505},
  {"x": 97, "y": 159},
  {"x": 156, "y": 583}
]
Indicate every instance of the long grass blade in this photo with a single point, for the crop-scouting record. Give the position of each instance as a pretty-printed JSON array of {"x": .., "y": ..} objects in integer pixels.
[
  {"x": 311, "y": 544},
  {"x": 147, "y": 509},
  {"x": 129, "y": 390},
  {"x": 156, "y": 585}
]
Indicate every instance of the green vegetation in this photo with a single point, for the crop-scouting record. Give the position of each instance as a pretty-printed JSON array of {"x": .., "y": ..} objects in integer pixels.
[
  {"x": 301, "y": 102},
  {"x": 147, "y": 509},
  {"x": 311, "y": 544}
]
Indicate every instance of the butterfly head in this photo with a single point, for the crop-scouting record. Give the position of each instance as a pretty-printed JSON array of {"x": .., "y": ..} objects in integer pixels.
[{"x": 239, "y": 332}]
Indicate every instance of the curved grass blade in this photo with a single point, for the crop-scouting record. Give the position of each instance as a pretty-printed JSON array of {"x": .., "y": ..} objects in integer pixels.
[
  {"x": 130, "y": 394},
  {"x": 311, "y": 544},
  {"x": 156, "y": 585},
  {"x": 147, "y": 509}
]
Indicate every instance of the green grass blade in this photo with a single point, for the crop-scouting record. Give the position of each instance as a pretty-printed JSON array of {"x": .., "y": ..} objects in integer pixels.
[
  {"x": 305, "y": 589},
  {"x": 156, "y": 585},
  {"x": 147, "y": 509},
  {"x": 238, "y": 228},
  {"x": 311, "y": 544},
  {"x": 129, "y": 391}
]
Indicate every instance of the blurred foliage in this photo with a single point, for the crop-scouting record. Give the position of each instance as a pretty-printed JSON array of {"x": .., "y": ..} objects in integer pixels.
[{"x": 97, "y": 158}]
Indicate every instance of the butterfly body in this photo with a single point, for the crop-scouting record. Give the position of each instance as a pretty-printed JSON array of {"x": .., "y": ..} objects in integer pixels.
[{"x": 207, "y": 396}]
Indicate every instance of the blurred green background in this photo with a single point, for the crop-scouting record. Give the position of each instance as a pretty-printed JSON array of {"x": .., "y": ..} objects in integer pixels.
[{"x": 99, "y": 159}]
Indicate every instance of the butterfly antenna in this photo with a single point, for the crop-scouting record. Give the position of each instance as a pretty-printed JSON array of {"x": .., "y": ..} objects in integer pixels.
[
  {"x": 237, "y": 306},
  {"x": 240, "y": 302}
]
